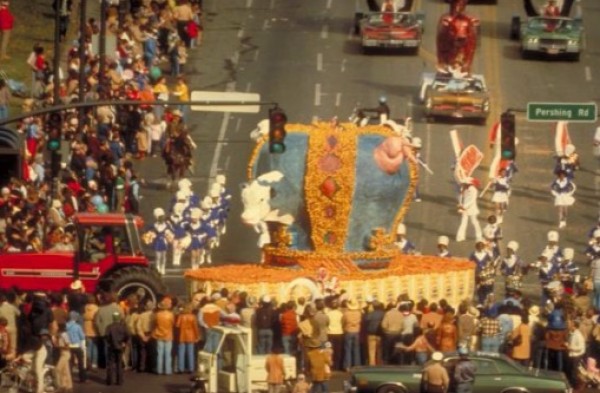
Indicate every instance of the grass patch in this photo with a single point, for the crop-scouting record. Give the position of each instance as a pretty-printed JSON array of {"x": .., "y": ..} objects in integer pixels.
[{"x": 34, "y": 22}]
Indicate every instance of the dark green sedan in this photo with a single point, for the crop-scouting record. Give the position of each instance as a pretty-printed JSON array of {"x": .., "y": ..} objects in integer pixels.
[{"x": 495, "y": 374}]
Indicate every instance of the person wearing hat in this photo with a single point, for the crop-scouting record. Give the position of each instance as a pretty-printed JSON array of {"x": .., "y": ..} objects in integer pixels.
[
  {"x": 568, "y": 162},
  {"x": 159, "y": 236},
  {"x": 468, "y": 209},
  {"x": 196, "y": 230},
  {"x": 567, "y": 270},
  {"x": 117, "y": 338},
  {"x": 406, "y": 246},
  {"x": 563, "y": 188},
  {"x": 512, "y": 267},
  {"x": 484, "y": 266},
  {"x": 372, "y": 324},
  {"x": 492, "y": 234},
  {"x": 552, "y": 249},
  {"x": 77, "y": 342},
  {"x": 351, "y": 325},
  {"x": 210, "y": 220},
  {"x": 592, "y": 251},
  {"x": 464, "y": 372},
  {"x": 546, "y": 274},
  {"x": 435, "y": 377},
  {"x": 442, "y": 246},
  {"x": 180, "y": 239}
]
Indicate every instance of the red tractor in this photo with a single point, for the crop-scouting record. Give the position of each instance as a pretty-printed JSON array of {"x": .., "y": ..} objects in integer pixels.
[{"x": 108, "y": 256}]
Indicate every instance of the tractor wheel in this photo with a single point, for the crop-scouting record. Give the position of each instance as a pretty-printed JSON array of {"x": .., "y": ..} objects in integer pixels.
[{"x": 144, "y": 281}]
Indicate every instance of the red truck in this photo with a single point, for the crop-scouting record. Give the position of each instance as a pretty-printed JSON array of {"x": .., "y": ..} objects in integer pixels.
[{"x": 108, "y": 255}]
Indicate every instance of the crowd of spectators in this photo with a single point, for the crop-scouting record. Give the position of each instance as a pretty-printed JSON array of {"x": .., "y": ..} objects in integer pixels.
[
  {"x": 163, "y": 337},
  {"x": 95, "y": 172}
]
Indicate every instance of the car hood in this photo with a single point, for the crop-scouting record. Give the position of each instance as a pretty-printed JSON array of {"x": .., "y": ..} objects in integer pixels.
[{"x": 556, "y": 35}]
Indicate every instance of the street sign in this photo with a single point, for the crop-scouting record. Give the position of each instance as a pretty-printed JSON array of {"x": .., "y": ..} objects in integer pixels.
[
  {"x": 223, "y": 97},
  {"x": 585, "y": 112}
]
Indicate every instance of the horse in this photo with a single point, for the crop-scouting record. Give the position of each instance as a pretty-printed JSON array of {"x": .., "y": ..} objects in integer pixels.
[{"x": 177, "y": 155}]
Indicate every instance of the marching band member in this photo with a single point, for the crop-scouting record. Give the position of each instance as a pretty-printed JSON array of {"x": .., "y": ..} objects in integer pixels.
[
  {"x": 196, "y": 230},
  {"x": 567, "y": 270},
  {"x": 546, "y": 274},
  {"x": 159, "y": 236},
  {"x": 501, "y": 186},
  {"x": 185, "y": 185},
  {"x": 182, "y": 198},
  {"x": 417, "y": 144},
  {"x": 484, "y": 271},
  {"x": 467, "y": 207},
  {"x": 180, "y": 241},
  {"x": 511, "y": 169},
  {"x": 568, "y": 163},
  {"x": 552, "y": 248},
  {"x": 592, "y": 231},
  {"x": 492, "y": 233},
  {"x": 225, "y": 202},
  {"x": 512, "y": 267},
  {"x": 442, "y": 246},
  {"x": 563, "y": 189},
  {"x": 593, "y": 249},
  {"x": 406, "y": 246},
  {"x": 210, "y": 221}
]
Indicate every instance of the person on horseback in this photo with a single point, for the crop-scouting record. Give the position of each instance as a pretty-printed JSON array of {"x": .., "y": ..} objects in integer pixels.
[{"x": 178, "y": 149}]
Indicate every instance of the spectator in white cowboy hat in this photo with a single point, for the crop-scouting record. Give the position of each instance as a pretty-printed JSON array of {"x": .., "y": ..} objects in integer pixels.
[{"x": 435, "y": 377}]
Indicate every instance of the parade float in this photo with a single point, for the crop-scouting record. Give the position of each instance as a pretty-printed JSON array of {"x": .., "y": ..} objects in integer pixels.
[{"x": 327, "y": 209}]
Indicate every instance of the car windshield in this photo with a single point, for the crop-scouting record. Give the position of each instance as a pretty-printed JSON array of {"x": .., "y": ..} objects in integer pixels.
[
  {"x": 459, "y": 85},
  {"x": 378, "y": 19},
  {"x": 551, "y": 24}
]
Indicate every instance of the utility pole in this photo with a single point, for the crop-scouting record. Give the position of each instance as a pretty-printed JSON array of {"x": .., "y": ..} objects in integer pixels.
[
  {"x": 82, "y": 60},
  {"x": 102, "y": 41},
  {"x": 56, "y": 65}
]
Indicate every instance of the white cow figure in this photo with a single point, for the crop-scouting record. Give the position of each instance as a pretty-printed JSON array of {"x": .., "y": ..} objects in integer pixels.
[
  {"x": 262, "y": 129},
  {"x": 256, "y": 197}
]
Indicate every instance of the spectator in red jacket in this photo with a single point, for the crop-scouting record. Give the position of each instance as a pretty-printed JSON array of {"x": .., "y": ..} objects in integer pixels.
[
  {"x": 7, "y": 21},
  {"x": 289, "y": 328}
]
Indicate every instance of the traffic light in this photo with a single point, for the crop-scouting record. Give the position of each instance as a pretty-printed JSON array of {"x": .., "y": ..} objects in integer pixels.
[
  {"x": 54, "y": 125},
  {"x": 508, "y": 146},
  {"x": 277, "y": 122}
]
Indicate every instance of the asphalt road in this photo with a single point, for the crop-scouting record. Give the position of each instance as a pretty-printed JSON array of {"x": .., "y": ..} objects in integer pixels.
[{"x": 301, "y": 54}]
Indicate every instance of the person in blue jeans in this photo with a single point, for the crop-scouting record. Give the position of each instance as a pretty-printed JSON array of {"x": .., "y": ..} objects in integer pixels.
[
  {"x": 265, "y": 320},
  {"x": 464, "y": 372},
  {"x": 351, "y": 321}
]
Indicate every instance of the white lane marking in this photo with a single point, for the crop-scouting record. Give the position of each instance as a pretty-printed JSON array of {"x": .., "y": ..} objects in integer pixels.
[
  {"x": 588, "y": 74},
  {"x": 248, "y": 3},
  {"x": 227, "y": 163},
  {"x": 325, "y": 32},
  {"x": 272, "y": 4},
  {"x": 338, "y": 99},
  {"x": 329, "y": 4},
  {"x": 265, "y": 25},
  {"x": 240, "y": 33},
  {"x": 238, "y": 124},
  {"x": 315, "y": 119},
  {"x": 256, "y": 55},
  {"x": 319, "y": 62},
  {"x": 219, "y": 148},
  {"x": 317, "y": 94},
  {"x": 343, "y": 67},
  {"x": 248, "y": 87}
]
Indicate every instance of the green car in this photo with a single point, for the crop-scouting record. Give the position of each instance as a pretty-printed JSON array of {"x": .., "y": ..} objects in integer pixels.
[
  {"x": 550, "y": 36},
  {"x": 496, "y": 373}
]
